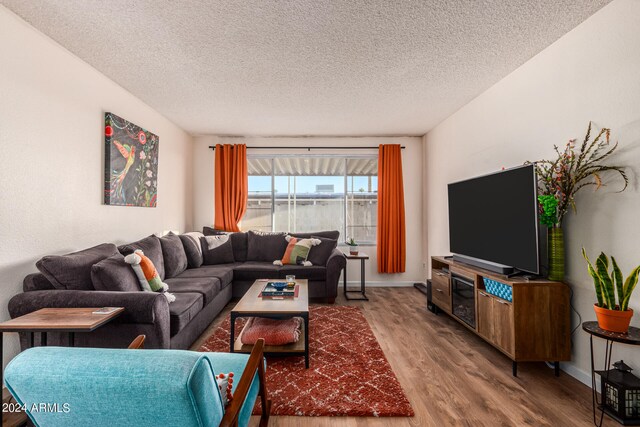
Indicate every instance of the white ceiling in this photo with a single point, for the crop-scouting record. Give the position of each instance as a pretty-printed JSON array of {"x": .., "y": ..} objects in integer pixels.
[{"x": 306, "y": 67}]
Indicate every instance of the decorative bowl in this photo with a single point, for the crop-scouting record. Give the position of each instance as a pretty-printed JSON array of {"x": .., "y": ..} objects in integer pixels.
[{"x": 279, "y": 285}]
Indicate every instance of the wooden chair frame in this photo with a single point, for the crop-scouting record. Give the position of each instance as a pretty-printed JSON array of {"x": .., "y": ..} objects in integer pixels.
[
  {"x": 255, "y": 363},
  {"x": 137, "y": 343}
]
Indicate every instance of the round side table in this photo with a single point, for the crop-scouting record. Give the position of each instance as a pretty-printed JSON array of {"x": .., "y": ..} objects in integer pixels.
[{"x": 632, "y": 337}]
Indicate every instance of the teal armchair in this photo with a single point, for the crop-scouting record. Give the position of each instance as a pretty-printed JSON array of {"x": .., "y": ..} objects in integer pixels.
[{"x": 60, "y": 386}]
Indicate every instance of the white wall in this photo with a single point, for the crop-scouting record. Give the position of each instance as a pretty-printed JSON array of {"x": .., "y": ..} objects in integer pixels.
[
  {"x": 412, "y": 169},
  {"x": 52, "y": 108},
  {"x": 592, "y": 73}
]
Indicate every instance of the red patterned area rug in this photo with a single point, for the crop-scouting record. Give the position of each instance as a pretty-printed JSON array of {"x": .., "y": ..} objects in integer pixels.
[{"x": 348, "y": 374}]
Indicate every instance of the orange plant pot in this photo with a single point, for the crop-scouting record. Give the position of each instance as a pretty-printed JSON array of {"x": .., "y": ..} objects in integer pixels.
[{"x": 613, "y": 320}]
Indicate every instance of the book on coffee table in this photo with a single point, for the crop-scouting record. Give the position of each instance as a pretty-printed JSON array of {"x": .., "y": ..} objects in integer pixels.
[{"x": 270, "y": 291}]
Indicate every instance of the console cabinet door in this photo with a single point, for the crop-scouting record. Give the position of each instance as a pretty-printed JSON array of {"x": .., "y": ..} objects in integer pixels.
[
  {"x": 503, "y": 333},
  {"x": 441, "y": 293},
  {"x": 485, "y": 316}
]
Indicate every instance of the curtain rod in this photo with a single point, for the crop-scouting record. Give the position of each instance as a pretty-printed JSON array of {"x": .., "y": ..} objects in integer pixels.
[{"x": 213, "y": 147}]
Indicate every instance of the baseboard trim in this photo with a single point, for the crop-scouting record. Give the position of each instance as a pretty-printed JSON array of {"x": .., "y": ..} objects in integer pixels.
[{"x": 579, "y": 374}]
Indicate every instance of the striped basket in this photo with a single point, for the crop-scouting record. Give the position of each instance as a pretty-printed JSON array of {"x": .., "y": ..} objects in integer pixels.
[{"x": 498, "y": 289}]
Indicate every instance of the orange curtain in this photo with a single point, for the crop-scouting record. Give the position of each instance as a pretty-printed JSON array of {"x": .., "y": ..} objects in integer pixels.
[
  {"x": 391, "y": 228},
  {"x": 231, "y": 186}
]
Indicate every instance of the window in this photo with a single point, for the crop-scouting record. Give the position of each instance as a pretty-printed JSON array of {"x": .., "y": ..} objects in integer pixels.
[{"x": 313, "y": 193}]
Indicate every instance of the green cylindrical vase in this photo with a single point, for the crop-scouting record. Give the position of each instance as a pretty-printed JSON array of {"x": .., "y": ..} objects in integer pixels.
[{"x": 555, "y": 248}]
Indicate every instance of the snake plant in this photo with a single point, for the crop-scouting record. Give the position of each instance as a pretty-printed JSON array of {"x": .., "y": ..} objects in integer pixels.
[{"x": 607, "y": 284}]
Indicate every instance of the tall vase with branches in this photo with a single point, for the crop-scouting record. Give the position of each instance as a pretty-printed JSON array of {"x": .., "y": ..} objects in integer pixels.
[{"x": 560, "y": 180}]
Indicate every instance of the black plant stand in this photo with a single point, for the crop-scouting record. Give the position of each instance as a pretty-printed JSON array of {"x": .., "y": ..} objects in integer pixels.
[{"x": 632, "y": 337}]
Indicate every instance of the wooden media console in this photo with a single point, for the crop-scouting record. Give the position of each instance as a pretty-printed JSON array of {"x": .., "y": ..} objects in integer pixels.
[{"x": 531, "y": 323}]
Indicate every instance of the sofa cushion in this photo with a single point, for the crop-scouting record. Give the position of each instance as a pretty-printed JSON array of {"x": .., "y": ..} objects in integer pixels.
[
  {"x": 216, "y": 249},
  {"x": 265, "y": 246},
  {"x": 321, "y": 253},
  {"x": 253, "y": 270},
  {"x": 36, "y": 282},
  {"x": 301, "y": 272},
  {"x": 334, "y": 234},
  {"x": 209, "y": 287},
  {"x": 224, "y": 272},
  {"x": 73, "y": 271},
  {"x": 210, "y": 231},
  {"x": 193, "y": 248},
  {"x": 113, "y": 274},
  {"x": 151, "y": 247},
  {"x": 186, "y": 306},
  {"x": 175, "y": 258},
  {"x": 238, "y": 241}
]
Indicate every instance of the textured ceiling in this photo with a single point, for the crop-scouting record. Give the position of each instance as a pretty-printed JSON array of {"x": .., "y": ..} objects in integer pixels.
[{"x": 306, "y": 67}]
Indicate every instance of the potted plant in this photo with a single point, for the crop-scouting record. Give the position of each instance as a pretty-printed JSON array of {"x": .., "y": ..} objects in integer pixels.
[
  {"x": 611, "y": 316},
  {"x": 353, "y": 246},
  {"x": 559, "y": 180}
]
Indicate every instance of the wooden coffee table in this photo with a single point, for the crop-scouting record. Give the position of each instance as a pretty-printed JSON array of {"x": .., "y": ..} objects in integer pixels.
[{"x": 252, "y": 305}]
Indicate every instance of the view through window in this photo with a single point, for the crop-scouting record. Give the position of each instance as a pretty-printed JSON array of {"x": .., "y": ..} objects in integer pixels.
[{"x": 313, "y": 193}]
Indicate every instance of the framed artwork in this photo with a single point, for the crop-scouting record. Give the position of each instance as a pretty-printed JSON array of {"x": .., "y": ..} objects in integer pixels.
[{"x": 131, "y": 164}]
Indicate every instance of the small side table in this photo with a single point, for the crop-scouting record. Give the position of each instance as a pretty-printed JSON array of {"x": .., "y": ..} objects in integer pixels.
[
  {"x": 363, "y": 297},
  {"x": 70, "y": 320},
  {"x": 632, "y": 338}
]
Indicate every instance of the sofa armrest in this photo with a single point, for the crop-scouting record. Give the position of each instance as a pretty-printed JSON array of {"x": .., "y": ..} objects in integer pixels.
[
  {"x": 139, "y": 307},
  {"x": 335, "y": 264},
  {"x": 336, "y": 260}
]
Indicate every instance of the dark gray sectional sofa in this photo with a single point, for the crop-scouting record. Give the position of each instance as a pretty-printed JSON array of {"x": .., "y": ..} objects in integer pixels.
[{"x": 99, "y": 277}]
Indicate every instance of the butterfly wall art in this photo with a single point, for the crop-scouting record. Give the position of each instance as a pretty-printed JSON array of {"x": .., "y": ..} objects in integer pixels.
[{"x": 131, "y": 163}]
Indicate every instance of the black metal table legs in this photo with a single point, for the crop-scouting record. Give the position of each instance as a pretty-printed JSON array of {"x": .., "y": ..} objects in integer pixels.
[
  {"x": 363, "y": 296},
  {"x": 594, "y": 390},
  {"x": 232, "y": 328},
  {"x": 305, "y": 318}
]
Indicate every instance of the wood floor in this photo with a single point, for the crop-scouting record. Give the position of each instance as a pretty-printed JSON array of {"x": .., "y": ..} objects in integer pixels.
[{"x": 452, "y": 377}]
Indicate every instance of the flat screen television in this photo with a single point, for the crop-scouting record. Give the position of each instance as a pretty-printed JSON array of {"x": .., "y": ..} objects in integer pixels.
[{"x": 493, "y": 221}]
